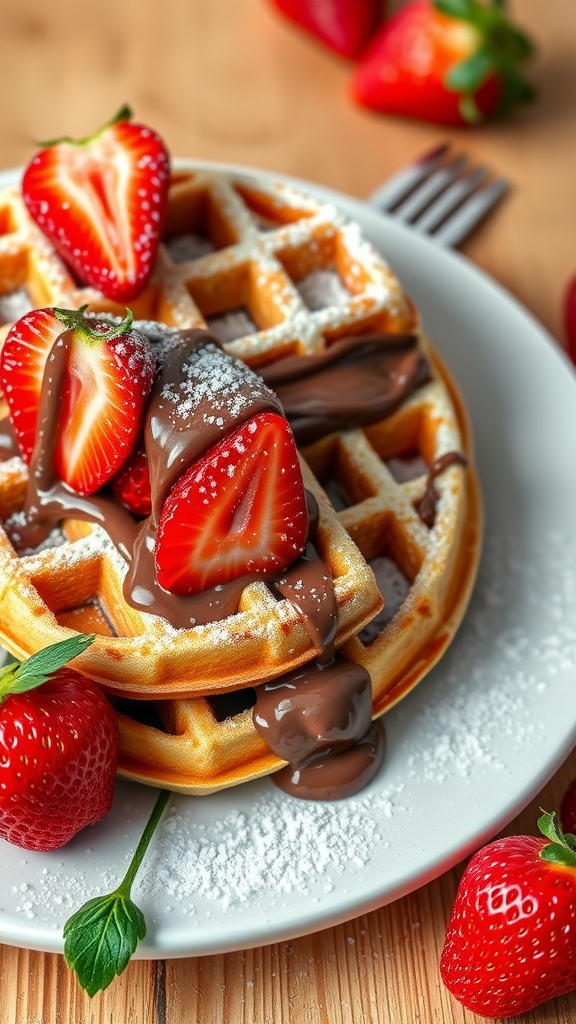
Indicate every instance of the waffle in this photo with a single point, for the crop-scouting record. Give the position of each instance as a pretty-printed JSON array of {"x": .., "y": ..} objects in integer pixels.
[{"x": 272, "y": 272}]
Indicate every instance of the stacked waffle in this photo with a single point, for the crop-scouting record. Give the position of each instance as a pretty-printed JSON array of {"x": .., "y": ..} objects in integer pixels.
[{"x": 278, "y": 277}]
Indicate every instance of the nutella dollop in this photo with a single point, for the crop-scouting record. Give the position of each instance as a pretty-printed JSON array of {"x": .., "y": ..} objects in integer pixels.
[
  {"x": 356, "y": 381},
  {"x": 319, "y": 720}
]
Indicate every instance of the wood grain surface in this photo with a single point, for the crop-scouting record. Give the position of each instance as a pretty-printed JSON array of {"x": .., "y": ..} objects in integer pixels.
[{"x": 229, "y": 80}]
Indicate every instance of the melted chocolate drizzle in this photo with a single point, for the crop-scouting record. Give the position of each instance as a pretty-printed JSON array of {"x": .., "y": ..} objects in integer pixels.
[
  {"x": 426, "y": 506},
  {"x": 318, "y": 718}
]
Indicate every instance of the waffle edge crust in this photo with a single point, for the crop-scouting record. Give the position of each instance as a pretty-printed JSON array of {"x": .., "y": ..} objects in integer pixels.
[{"x": 261, "y": 245}]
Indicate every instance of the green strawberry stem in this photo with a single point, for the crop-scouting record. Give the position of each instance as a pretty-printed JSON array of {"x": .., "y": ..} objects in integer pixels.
[
  {"x": 501, "y": 50},
  {"x": 124, "y": 114},
  {"x": 18, "y": 677},
  {"x": 75, "y": 320},
  {"x": 562, "y": 846},
  {"x": 100, "y": 938}
]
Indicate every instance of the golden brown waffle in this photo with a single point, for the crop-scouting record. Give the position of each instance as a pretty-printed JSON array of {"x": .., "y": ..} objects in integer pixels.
[
  {"x": 428, "y": 574},
  {"x": 263, "y": 246},
  {"x": 77, "y": 584},
  {"x": 271, "y": 272}
]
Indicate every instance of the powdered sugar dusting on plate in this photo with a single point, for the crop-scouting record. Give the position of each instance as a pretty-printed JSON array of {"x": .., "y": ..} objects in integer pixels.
[
  {"x": 478, "y": 706},
  {"x": 467, "y": 720}
]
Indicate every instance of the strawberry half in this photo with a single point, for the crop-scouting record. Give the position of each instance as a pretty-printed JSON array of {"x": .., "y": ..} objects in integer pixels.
[
  {"x": 109, "y": 374},
  {"x": 453, "y": 62},
  {"x": 343, "y": 25},
  {"x": 22, "y": 362},
  {"x": 241, "y": 508},
  {"x": 101, "y": 201}
]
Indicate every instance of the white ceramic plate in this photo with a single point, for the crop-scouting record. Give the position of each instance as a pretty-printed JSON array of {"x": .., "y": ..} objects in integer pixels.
[{"x": 466, "y": 750}]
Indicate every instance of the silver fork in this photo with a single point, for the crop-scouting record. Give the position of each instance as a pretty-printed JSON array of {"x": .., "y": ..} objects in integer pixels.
[{"x": 441, "y": 194}]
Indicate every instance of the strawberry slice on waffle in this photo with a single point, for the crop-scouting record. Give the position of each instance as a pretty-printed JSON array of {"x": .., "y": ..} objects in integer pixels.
[
  {"x": 239, "y": 509},
  {"x": 109, "y": 373},
  {"x": 101, "y": 201}
]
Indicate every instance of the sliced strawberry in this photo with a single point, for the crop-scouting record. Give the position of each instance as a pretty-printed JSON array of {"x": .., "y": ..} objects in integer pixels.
[
  {"x": 343, "y": 25},
  {"x": 110, "y": 372},
  {"x": 22, "y": 361},
  {"x": 241, "y": 508},
  {"x": 451, "y": 62},
  {"x": 132, "y": 484},
  {"x": 101, "y": 201}
]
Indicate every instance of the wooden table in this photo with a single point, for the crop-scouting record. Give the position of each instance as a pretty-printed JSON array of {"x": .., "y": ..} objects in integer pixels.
[{"x": 228, "y": 80}]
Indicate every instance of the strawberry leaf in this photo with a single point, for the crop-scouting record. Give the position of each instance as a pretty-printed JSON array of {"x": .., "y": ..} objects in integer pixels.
[
  {"x": 468, "y": 75},
  {"x": 75, "y": 320},
  {"x": 102, "y": 935},
  {"x": 27, "y": 675},
  {"x": 561, "y": 848}
]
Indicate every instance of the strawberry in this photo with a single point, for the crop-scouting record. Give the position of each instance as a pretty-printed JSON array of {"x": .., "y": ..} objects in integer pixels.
[
  {"x": 109, "y": 374},
  {"x": 510, "y": 941},
  {"x": 132, "y": 484},
  {"x": 452, "y": 62},
  {"x": 570, "y": 318},
  {"x": 58, "y": 749},
  {"x": 22, "y": 362},
  {"x": 568, "y": 809},
  {"x": 342, "y": 25},
  {"x": 240, "y": 508},
  {"x": 101, "y": 201}
]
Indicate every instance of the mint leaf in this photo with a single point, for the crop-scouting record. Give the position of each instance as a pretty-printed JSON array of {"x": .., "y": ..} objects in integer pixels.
[
  {"x": 27, "y": 675},
  {"x": 100, "y": 938}
]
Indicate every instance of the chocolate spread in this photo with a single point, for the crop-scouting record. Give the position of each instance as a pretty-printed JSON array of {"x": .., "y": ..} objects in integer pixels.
[
  {"x": 426, "y": 506},
  {"x": 356, "y": 381},
  {"x": 319, "y": 718}
]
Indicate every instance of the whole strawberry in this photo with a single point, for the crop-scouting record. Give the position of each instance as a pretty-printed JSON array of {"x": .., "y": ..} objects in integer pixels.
[
  {"x": 101, "y": 201},
  {"x": 453, "y": 62},
  {"x": 343, "y": 25},
  {"x": 510, "y": 941},
  {"x": 58, "y": 749}
]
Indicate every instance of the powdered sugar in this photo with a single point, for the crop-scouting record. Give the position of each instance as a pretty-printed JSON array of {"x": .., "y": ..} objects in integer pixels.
[
  {"x": 323, "y": 288},
  {"x": 465, "y": 730},
  {"x": 217, "y": 382},
  {"x": 279, "y": 846}
]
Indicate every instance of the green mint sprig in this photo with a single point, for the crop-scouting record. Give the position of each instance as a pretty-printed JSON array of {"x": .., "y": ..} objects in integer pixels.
[
  {"x": 100, "y": 938},
  {"x": 18, "y": 677}
]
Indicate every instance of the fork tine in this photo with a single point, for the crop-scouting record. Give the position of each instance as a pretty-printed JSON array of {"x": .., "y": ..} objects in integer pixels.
[
  {"x": 441, "y": 195},
  {"x": 434, "y": 186},
  {"x": 471, "y": 213},
  {"x": 448, "y": 202},
  {"x": 402, "y": 184}
]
